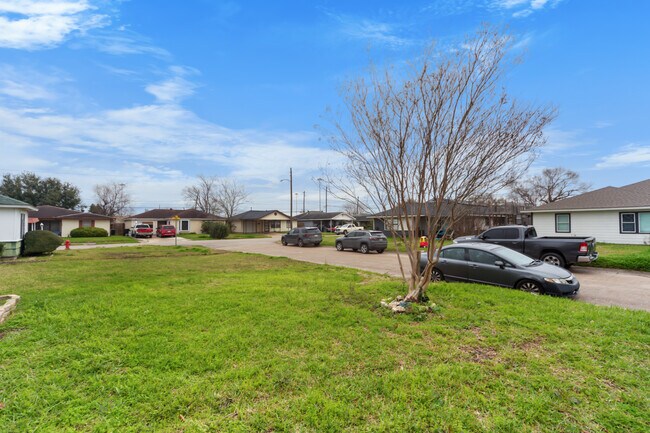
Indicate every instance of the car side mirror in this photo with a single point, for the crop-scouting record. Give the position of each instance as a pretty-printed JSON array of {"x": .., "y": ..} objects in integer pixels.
[{"x": 500, "y": 264}]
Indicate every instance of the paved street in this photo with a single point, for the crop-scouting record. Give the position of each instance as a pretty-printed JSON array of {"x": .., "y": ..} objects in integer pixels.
[{"x": 608, "y": 287}]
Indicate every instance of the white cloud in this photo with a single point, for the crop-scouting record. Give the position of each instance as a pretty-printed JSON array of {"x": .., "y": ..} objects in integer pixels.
[
  {"x": 19, "y": 84},
  {"x": 38, "y": 24},
  {"x": 373, "y": 31},
  {"x": 123, "y": 42},
  {"x": 523, "y": 8},
  {"x": 632, "y": 154},
  {"x": 171, "y": 90}
]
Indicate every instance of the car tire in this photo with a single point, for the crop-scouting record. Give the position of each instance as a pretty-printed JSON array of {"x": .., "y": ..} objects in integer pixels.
[
  {"x": 284, "y": 242},
  {"x": 345, "y": 232},
  {"x": 339, "y": 246},
  {"x": 301, "y": 243},
  {"x": 380, "y": 251},
  {"x": 530, "y": 286},
  {"x": 317, "y": 244},
  {"x": 553, "y": 259},
  {"x": 436, "y": 275},
  {"x": 364, "y": 249}
]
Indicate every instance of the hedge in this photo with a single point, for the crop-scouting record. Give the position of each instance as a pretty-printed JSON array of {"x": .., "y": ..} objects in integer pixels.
[
  {"x": 40, "y": 242},
  {"x": 88, "y": 232}
]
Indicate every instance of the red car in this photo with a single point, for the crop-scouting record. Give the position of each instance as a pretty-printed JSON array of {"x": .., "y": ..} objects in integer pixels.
[{"x": 164, "y": 231}]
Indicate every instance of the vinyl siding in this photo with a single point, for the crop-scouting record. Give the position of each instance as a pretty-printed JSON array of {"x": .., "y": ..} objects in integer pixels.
[{"x": 603, "y": 225}]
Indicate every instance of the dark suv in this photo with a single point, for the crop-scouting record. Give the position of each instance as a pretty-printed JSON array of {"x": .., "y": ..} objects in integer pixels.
[
  {"x": 363, "y": 240},
  {"x": 303, "y": 236}
]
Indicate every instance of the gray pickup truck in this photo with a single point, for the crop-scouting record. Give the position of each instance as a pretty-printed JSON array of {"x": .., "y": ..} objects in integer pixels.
[{"x": 556, "y": 250}]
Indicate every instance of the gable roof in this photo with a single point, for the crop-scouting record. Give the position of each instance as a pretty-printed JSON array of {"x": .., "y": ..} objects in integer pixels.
[
  {"x": 317, "y": 215},
  {"x": 182, "y": 213},
  {"x": 257, "y": 214},
  {"x": 6, "y": 201},
  {"x": 55, "y": 212},
  {"x": 636, "y": 195}
]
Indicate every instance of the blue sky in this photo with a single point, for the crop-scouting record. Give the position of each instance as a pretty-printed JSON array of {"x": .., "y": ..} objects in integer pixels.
[{"x": 153, "y": 93}]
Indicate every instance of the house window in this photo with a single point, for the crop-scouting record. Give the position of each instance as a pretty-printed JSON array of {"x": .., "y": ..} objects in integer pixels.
[
  {"x": 628, "y": 223},
  {"x": 644, "y": 222},
  {"x": 185, "y": 225},
  {"x": 562, "y": 223},
  {"x": 275, "y": 225},
  {"x": 86, "y": 223}
]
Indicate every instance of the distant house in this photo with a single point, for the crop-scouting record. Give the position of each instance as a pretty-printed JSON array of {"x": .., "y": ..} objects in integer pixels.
[
  {"x": 260, "y": 221},
  {"x": 190, "y": 219},
  {"x": 474, "y": 218},
  {"x": 323, "y": 220},
  {"x": 61, "y": 221},
  {"x": 13, "y": 225},
  {"x": 616, "y": 215}
]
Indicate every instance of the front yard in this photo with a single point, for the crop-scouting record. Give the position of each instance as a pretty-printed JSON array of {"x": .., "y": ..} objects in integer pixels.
[
  {"x": 186, "y": 339},
  {"x": 618, "y": 256},
  {"x": 104, "y": 240},
  {"x": 206, "y": 237}
]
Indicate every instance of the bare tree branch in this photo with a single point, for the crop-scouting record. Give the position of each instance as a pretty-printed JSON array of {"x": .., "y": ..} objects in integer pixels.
[
  {"x": 424, "y": 144},
  {"x": 112, "y": 199},
  {"x": 551, "y": 185}
]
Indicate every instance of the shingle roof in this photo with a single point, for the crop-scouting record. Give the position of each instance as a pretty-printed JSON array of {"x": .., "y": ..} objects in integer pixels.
[
  {"x": 317, "y": 215},
  {"x": 636, "y": 195},
  {"x": 169, "y": 213},
  {"x": 12, "y": 202},
  {"x": 55, "y": 212},
  {"x": 257, "y": 214}
]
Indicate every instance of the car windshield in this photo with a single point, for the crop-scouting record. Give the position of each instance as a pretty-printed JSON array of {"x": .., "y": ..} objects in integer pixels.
[
  {"x": 168, "y": 227},
  {"x": 312, "y": 229},
  {"x": 514, "y": 257},
  {"x": 376, "y": 233}
]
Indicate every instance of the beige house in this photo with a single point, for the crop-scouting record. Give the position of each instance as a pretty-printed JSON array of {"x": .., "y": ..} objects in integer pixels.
[
  {"x": 61, "y": 221},
  {"x": 261, "y": 221},
  {"x": 190, "y": 219}
]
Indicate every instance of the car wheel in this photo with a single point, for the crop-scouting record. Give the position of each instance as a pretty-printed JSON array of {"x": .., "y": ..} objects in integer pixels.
[
  {"x": 364, "y": 249},
  {"x": 553, "y": 259},
  {"x": 284, "y": 242},
  {"x": 436, "y": 275},
  {"x": 339, "y": 246},
  {"x": 345, "y": 232},
  {"x": 530, "y": 287},
  {"x": 380, "y": 251},
  {"x": 300, "y": 243},
  {"x": 317, "y": 244}
]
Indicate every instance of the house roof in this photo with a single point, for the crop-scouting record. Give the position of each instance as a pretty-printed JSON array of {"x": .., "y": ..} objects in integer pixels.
[
  {"x": 12, "y": 202},
  {"x": 257, "y": 214},
  {"x": 182, "y": 213},
  {"x": 460, "y": 208},
  {"x": 317, "y": 215},
  {"x": 636, "y": 195},
  {"x": 54, "y": 212}
]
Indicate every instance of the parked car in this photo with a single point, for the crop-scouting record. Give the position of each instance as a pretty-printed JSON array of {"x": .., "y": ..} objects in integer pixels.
[
  {"x": 302, "y": 236},
  {"x": 500, "y": 266},
  {"x": 346, "y": 228},
  {"x": 142, "y": 230},
  {"x": 555, "y": 250},
  {"x": 164, "y": 231},
  {"x": 363, "y": 240}
]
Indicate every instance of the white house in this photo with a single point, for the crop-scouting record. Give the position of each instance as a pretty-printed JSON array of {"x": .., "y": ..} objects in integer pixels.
[
  {"x": 13, "y": 225},
  {"x": 614, "y": 215}
]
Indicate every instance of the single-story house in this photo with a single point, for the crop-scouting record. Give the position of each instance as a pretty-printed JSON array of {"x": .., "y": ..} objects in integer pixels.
[
  {"x": 615, "y": 215},
  {"x": 13, "y": 225},
  {"x": 260, "y": 221},
  {"x": 61, "y": 221},
  {"x": 474, "y": 218},
  {"x": 190, "y": 219},
  {"x": 323, "y": 220}
]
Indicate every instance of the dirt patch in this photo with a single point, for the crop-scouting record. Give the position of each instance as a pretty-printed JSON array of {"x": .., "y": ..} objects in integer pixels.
[{"x": 479, "y": 354}]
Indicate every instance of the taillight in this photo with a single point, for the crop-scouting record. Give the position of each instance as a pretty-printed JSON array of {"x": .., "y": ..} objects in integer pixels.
[{"x": 584, "y": 247}]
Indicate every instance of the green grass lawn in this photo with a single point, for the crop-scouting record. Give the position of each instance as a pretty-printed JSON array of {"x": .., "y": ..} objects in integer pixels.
[
  {"x": 184, "y": 339},
  {"x": 632, "y": 257},
  {"x": 106, "y": 240},
  {"x": 206, "y": 237}
]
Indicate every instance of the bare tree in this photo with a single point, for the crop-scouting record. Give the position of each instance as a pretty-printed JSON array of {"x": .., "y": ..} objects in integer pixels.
[
  {"x": 231, "y": 195},
  {"x": 422, "y": 144},
  {"x": 112, "y": 199},
  {"x": 551, "y": 185},
  {"x": 203, "y": 195}
]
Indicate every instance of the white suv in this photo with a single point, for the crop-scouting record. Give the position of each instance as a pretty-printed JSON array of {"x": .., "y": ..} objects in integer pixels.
[{"x": 346, "y": 228}]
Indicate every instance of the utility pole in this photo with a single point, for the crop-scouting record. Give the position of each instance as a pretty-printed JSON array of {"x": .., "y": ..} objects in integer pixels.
[
  {"x": 290, "y": 198},
  {"x": 303, "y": 202},
  {"x": 325, "y": 198}
]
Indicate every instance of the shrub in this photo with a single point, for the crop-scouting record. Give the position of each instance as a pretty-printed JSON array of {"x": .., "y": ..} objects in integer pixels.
[
  {"x": 206, "y": 226},
  {"x": 88, "y": 232},
  {"x": 219, "y": 231},
  {"x": 40, "y": 242}
]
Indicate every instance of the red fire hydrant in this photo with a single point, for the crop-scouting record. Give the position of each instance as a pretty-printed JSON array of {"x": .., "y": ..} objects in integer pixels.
[{"x": 67, "y": 244}]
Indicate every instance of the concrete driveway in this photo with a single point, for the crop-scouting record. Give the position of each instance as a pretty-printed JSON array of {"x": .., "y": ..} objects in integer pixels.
[{"x": 610, "y": 287}]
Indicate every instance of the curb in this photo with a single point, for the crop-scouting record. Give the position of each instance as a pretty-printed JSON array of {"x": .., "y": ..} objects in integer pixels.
[{"x": 8, "y": 306}]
